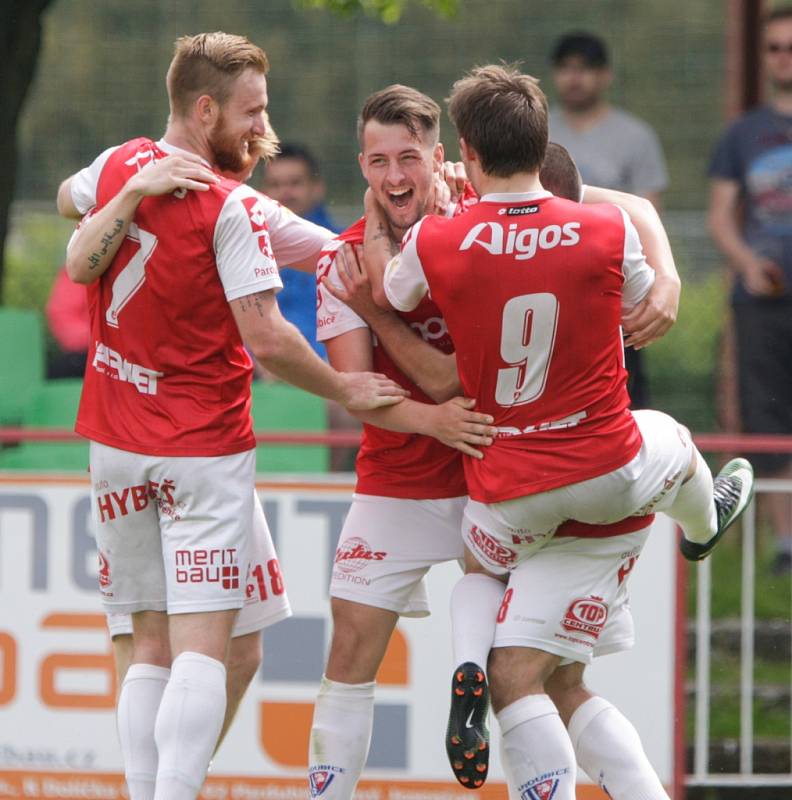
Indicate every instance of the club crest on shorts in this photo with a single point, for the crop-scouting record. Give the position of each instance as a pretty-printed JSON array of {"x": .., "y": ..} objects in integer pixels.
[
  {"x": 319, "y": 778},
  {"x": 354, "y": 554},
  {"x": 586, "y": 615}
]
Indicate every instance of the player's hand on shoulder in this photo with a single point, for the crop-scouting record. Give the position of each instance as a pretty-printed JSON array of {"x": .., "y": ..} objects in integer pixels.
[
  {"x": 364, "y": 391},
  {"x": 457, "y": 425},
  {"x": 655, "y": 315},
  {"x": 165, "y": 175}
]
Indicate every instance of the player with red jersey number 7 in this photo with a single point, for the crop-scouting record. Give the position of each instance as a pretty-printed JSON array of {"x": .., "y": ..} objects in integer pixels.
[{"x": 166, "y": 399}]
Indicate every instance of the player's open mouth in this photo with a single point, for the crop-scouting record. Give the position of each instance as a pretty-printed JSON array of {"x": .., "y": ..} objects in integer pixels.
[{"x": 401, "y": 198}]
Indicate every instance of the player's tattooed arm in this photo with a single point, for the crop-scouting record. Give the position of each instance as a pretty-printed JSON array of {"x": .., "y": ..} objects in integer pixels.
[
  {"x": 284, "y": 352},
  {"x": 93, "y": 247},
  {"x": 379, "y": 245}
]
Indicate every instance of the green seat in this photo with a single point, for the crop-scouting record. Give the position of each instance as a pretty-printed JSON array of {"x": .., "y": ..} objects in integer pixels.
[
  {"x": 53, "y": 405},
  {"x": 280, "y": 407},
  {"x": 21, "y": 362}
]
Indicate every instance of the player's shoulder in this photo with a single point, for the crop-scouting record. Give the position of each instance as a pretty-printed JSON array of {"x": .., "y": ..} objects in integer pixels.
[{"x": 353, "y": 234}]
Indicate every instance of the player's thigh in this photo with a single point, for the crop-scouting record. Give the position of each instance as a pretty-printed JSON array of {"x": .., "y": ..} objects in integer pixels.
[
  {"x": 266, "y": 600},
  {"x": 206, "y": 517},
  {"x": 647, "y": 483},
  {"x": 386, "y": 547},
  {"x": 131, "y": 576},
  {"x": 560, "y": 600}
]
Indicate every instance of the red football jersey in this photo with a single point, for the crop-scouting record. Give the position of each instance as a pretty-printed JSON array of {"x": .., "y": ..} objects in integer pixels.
[
  {"x": 167, "y": 373},
  {"x": 390, "y": 464},
  {"x": 532, "y": 288}
]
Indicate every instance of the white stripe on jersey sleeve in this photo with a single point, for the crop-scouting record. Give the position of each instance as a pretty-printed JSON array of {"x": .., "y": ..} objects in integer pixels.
[
  {"x": 293, "y": 238},
  {"x": 83, "y": 184},
  {"x": 639, "y": 277},
  {"x": 332, "y": 316},
  {"x": 405, "y": 282},
  {"x": 242, "y": 246}
]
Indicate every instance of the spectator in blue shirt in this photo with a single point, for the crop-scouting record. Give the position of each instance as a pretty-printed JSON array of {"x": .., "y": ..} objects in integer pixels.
[{"x": 293, "y": 179}]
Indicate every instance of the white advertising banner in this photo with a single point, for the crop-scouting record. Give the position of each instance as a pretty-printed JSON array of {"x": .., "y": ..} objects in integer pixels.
[{"x": 57, "y": 684}]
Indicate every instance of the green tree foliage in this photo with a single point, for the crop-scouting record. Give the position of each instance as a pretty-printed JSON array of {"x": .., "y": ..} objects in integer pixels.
[{"x": 389, "y": 11}]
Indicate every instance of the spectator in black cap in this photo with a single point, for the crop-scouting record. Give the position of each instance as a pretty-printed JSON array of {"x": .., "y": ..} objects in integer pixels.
[{"x": 612, "y": 148}]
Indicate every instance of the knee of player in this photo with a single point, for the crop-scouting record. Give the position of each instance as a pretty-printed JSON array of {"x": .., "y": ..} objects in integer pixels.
[{"x": 244, "y": 658}]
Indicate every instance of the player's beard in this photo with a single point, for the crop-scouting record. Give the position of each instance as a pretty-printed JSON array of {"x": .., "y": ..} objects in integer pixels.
[{"x": 229, "y": 155}]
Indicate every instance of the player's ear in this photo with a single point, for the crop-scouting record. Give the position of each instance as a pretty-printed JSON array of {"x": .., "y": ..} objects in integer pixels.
[
  {"x": 438, "y": 157},
  {"x": 362, "y": 164},
  {"x": 207, "y": 109}
]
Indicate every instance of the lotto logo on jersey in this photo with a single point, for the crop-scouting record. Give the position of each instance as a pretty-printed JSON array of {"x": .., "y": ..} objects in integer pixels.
[
  {"x": 111, "y": 363},
  {"x": 353, "y": 554},
  {"x": 492, "y": 549},
  {"x": 256, "y": 213},
  {"x": 522, "y": 244},
  {"x": 587, "y": 615},
  {"x": 218, "y": 565},
  {"x": 543, "y": 787},
  {"x": 320, "y": 778}
]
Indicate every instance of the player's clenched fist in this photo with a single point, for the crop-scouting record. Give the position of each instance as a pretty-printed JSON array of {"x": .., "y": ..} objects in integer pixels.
[{"x": 362, "y": 391}]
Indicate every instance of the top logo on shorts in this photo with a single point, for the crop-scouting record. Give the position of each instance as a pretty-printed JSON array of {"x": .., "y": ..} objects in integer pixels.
[
  {"x": 355, "y": 553},
  {"x": 491, "y": 548},
  {"x": 586, "y": 615}
]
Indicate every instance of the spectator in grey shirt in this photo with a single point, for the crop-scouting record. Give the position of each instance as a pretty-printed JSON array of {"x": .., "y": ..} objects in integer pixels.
[{"x": 612, "y": 148}]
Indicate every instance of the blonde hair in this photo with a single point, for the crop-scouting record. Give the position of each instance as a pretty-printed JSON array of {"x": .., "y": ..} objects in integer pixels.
[
  {"x": 208, "y": 63},
  {"x": 265, "y": 147}
]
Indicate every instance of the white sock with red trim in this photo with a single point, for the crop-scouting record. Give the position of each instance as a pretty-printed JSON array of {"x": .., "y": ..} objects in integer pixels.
[
  {"x": 475, "y": 601},
  {"x": 188, "y": 723},
  {"x": 537, "y": 749},
  {"x": 340, "y": 737},
  {"x": 694, "y": 506},
  {"x": 138, "y": 704},
  {"x": 608, "y": 748}
]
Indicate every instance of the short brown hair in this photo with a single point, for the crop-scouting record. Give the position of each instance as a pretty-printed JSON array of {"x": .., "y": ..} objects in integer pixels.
[
  {"x": 208, "y": 63},
  {"x": 401, "y": 105},
  {"x": 559, "y": 173},
  {"x": 778, "y": 14},
  {"x": 502, "y": 115}
]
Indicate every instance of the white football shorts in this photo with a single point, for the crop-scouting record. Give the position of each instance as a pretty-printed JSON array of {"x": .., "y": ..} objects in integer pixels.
[
  {"x": 501, "y": 535},
  {"x": 387, "y": 546},
  {"x": 266, "y": 601},
  {"x": 173, "y": 533},
  {"x": 570, "y": 598}
]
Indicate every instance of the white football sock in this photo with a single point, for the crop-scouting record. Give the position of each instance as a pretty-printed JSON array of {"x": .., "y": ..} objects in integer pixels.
[
  {"x": 188, "y": 723},
  {"x": 138, "y": 703},
  {"x": 340, "y": 738},
  {"x": 510, "y": 784},
  {"x": 609, "y": 749},
  {"x": 475, "y": 601},
  {"x": 694, "y": 507},
  {"x": 537, "y": 748}
]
